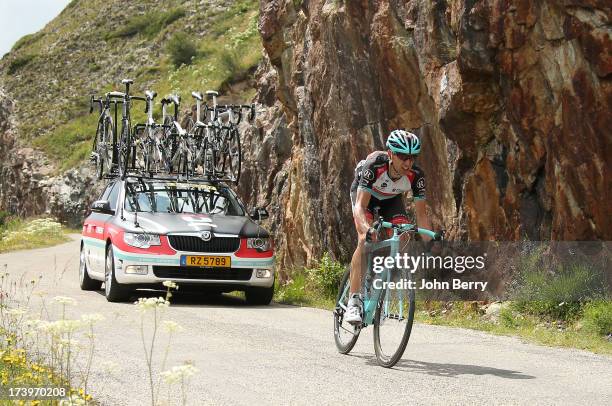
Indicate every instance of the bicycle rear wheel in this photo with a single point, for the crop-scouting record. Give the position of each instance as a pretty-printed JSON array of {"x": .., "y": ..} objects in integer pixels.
[
  {"x": 393, "y": 320},
  {"x": 125, "y": 149},
  {"x": 345, "y": 334},
  {"x": 230, "y": 160},
  {"x": 103, "y": 146}
]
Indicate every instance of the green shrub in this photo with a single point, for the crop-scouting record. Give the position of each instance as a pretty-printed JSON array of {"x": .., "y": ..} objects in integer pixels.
[
  {"x": 4, "y": 217},
  {"x": 294, "y": 291},
  {"x": 181, "y": 49},
  {"x": 326, "y": 276},
  {"x": 558, "y": 294},
  {"x": 149, "y": 24},
  {"x": 597, "y": 317},
  {"x": 229, "y": 62},
  {"x": 19, "y": 63}
]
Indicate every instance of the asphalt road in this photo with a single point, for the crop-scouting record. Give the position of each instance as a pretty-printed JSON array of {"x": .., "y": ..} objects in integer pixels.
[{"x": 286, "y": 355}]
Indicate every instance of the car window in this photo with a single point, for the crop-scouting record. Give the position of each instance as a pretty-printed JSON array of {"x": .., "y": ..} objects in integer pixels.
[
  {"x": 106, "y": 192},
  {"x": 181, "y": 198},
  {"x": 114, "y": 194}
]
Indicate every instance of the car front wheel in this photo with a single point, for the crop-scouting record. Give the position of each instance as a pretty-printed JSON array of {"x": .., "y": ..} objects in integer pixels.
[
  {"x": 259, "y": 296},
  {"x": 113, "y": 290}
]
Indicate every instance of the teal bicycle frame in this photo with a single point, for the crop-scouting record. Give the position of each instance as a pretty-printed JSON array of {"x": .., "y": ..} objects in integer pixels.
[{"x": 371, "y": 296}]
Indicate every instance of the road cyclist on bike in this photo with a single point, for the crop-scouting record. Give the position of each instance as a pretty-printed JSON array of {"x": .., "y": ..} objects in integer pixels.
[{"x": 380, "y": 181}]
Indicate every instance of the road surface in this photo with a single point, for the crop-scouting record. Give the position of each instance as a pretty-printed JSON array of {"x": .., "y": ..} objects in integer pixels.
[{"x": 280, "y": 354}]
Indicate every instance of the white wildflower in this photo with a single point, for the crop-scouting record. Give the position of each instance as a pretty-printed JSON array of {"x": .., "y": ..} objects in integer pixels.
[
  {"x": 178, "y": 373},
  {"x": 32, "y": 323},
  {"x": 60, "y": 326},
  {"x": 65, "y": 300},
  {"x": 92, "y": 318},
  {"x": 16, "y": 312},
  {"x": 172, "y": 326},
  {"x": 145, "y": 304},
  {"x": 170, "y": 284}
]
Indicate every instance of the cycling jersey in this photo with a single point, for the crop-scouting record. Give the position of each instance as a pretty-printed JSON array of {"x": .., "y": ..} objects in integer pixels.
[{"x": 371, "y": 175}]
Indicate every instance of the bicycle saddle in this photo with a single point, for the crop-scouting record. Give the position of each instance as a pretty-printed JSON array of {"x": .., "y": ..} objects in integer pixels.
[
  {"x": 115, "y": 94},
  {"x": 211, "y": 93},
  {"x": 197, "y": 95},
  {"x": 127, "y": 81},
  {"x": 150, "y": 94}
]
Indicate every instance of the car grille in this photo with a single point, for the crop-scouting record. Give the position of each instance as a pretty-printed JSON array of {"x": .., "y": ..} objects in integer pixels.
[
  {"x": 226, "y": 274},
  {"x": 195, "y": 244}
]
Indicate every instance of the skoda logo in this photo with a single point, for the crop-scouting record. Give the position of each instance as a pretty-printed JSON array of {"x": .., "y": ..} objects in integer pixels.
[{"x": 206, "y": 236}]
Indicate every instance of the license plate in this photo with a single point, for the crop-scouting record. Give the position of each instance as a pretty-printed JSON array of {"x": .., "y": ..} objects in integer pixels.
[{"x": 206, "y": 261}]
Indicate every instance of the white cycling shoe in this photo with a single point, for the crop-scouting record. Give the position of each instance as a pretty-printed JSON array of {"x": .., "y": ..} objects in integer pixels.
[{"x": 353, "y": 311}]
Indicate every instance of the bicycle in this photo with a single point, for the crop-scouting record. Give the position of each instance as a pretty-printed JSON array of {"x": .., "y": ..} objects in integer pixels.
[
  {"x": 391, "y": 311},
  {"x": 176, "y": 138},
  {"x": 125, "y": 146},
  {"x": 221, "y": 144},
  {"x": 150, "y": 154}
]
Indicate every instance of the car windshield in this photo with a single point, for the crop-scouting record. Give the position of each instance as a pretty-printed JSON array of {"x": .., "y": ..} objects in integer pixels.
[{"x": 175, "y": 197}]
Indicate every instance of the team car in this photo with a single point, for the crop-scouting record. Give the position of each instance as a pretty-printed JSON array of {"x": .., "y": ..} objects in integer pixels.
[{"x": 142, "y": 232}]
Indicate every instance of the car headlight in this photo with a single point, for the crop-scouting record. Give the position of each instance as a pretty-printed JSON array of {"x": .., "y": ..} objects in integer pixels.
[
  {"x": 140, "y": 240},
  {"x": 260, "y": 244}
]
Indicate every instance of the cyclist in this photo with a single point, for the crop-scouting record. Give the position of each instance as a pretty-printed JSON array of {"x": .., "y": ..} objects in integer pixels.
[{"x": 380, "y": 180}]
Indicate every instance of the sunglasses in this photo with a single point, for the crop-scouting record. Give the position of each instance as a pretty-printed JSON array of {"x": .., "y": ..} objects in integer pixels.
[{"x": 405, "y": 157}]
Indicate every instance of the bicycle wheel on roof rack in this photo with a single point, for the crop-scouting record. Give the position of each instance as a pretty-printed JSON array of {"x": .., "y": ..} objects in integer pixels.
[
  {"x": 140, "y": 151},
  {"x": 102, "y": 151},
  {"x": 229, "y": 158}
]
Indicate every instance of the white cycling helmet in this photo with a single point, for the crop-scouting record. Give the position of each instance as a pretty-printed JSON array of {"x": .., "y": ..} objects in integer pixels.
[{"x": 404, "y": 142}]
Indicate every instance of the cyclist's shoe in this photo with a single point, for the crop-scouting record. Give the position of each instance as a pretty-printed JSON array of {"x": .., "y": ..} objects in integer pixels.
[{"x": 353, "y": 311}]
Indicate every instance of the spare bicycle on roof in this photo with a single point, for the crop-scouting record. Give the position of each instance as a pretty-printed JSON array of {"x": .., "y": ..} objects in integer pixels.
[{"x": 205, "y": 146}]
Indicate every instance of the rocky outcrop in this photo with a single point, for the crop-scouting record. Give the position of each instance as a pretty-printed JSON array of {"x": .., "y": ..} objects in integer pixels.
[
  {"x": 27, "y": 184},
  {"x": 512, "y": 99}
]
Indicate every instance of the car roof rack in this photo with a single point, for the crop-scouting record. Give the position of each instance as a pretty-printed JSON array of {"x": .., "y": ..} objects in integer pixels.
[{"x": 175, "y": 178}]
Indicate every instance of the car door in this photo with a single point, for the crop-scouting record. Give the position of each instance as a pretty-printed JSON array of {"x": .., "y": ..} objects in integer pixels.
[{"x": 94, "y": 228}]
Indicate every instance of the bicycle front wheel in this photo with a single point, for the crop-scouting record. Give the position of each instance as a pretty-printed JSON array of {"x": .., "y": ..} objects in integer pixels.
[
  {"x": 345, "y": 334},
  {"x": 393, "y": 320}
]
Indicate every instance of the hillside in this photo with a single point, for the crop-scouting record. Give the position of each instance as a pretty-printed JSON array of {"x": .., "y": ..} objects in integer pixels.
[{"x": 49, "y": 75}]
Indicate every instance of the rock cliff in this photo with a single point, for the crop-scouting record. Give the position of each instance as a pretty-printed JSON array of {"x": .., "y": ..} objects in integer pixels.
[{"x": 512, "y": 100}]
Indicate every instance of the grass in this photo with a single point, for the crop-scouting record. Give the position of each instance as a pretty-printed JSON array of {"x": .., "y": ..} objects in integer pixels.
[
  {"x": 27, "y": 40},
  {"x": 149, "y": 24},
  {"x": 314, "y": 287},
  {"x": 70, "y": 143},
  {"x": 18, "y": 234}
]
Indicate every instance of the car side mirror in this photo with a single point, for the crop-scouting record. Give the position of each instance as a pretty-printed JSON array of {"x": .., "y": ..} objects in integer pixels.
[
  {"x": 259, "y": 213},
  {"x": 102, "y": 206}
]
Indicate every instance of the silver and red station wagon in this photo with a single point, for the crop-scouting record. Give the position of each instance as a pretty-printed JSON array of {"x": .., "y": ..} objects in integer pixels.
[{"x": 144, "y": 231}]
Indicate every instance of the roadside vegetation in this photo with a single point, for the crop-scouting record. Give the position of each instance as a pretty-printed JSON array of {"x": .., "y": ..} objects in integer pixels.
[
  {"x": 19, "y": 234},
  {"x": 570, "y": 310},
  {"x": 48, "y": 342}
]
